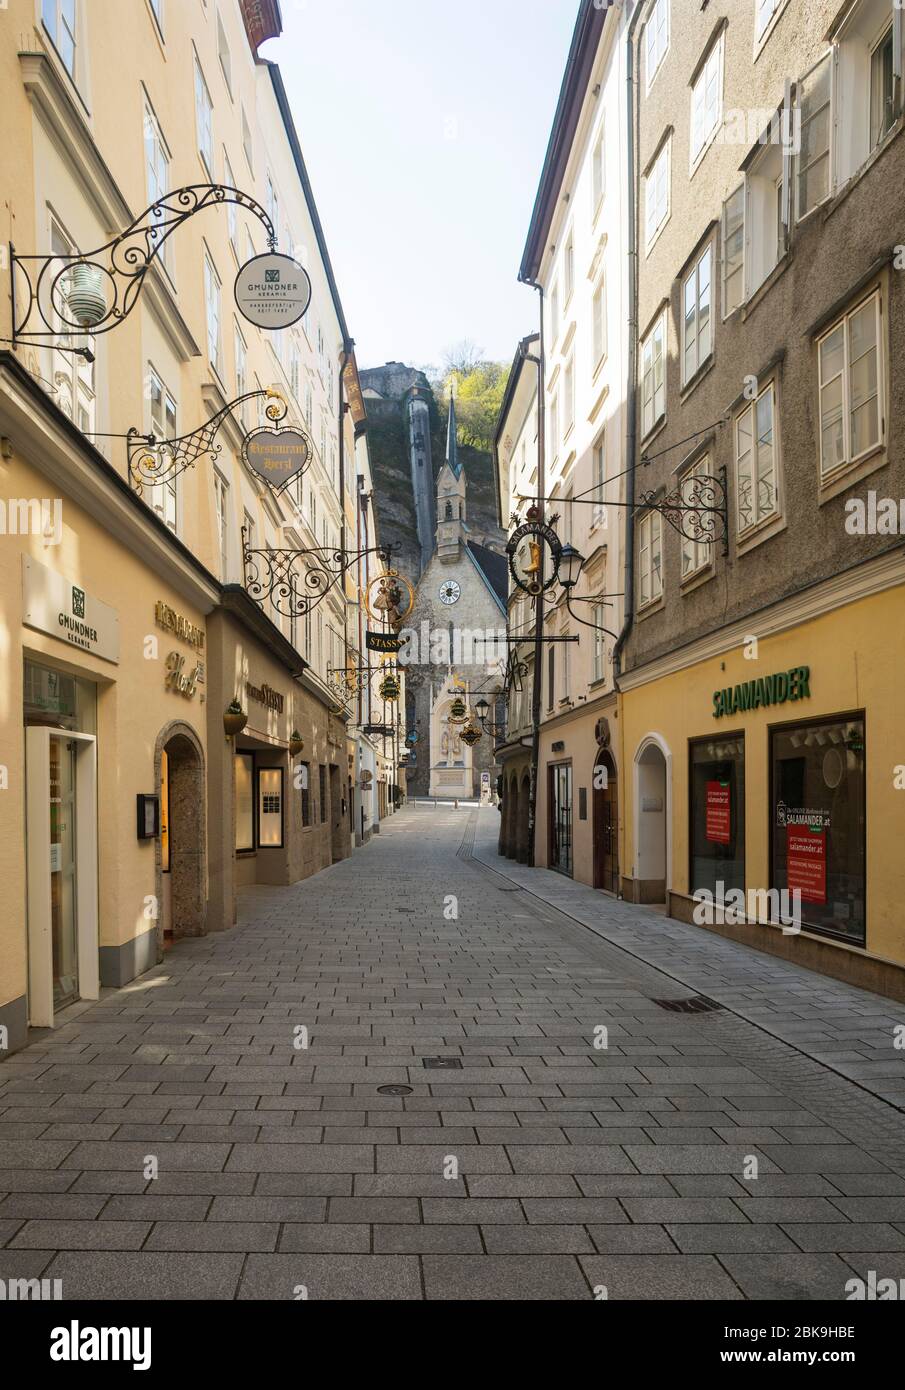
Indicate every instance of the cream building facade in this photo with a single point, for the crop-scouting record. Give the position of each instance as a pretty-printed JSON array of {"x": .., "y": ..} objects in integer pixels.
[{"x": 128, "y": 624}]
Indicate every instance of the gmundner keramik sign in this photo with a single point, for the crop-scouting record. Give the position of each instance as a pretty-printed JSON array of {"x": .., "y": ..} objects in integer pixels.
[{"x": 765, "y": 690}]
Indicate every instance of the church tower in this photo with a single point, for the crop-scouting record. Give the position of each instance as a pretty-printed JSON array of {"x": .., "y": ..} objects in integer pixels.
[{"x": 451, "y": 497}]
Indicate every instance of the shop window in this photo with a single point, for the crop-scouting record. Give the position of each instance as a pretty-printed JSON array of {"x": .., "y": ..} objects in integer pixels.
[
  {"x": 717, "y": 814},
  {"x": 270, "y": 807},
  {"x": 818, "y": 822},
  {"x": 245, "y": 801}
]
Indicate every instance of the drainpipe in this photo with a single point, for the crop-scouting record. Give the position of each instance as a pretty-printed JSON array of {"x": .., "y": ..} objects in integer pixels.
[
  {"x": 539, "y": 598},
  {"x": 631, "y": 398}
]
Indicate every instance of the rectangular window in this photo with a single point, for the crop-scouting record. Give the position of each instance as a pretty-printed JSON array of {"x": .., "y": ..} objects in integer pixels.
[
  {"x": 884, "y": 105},
  {"x": 157, "y": 7},
  {"x": 766, "y": 9},
  {"x": 212, "y": 305},
  {"x": 813, "y": 106},
  {"x": 569, "y": 396},
  {"x": 270, "y": 807},
  {"x": 598, "y": 467},
  {"x": 755, "y": 462},
  {"x": 598, "y": 618},
  {"x": 241, "y": 354},
  {"x": 551, "y": 676},
  {"x": 850, "y": 371},
  {"x": 554, "y": 426},
  {"x": 650, "y": 576},
  {"x": 157, "y": 171},
  {"x": 232, "y": 212},
  {"x": 161, "y": 497},
  {"x": 598, "y": 323},
  {"x": 653, "y": 376},
  {"x": 656, "y": 38},
  {"x": 245, "y": 801},
  {"x": 204, "y": 120},
  {"x": 305, "y": 775},
  {"x": 569, "y": 267},
  {"x": 717, "y": 814},
  {"x": 554, "y": 313},
  {"x": 696, "y": 554},
  {"x": 697, "y": 341},
  {"x": 223, "y": 53},
  {"x": 818, "y": 820},
  {"x": 656, "y": 193},
  {"x": 247, "y": 144},
  {"x": 60, "y": 23},
  {"x": 72, "y": 377},
  {"x": 322, "y": 773},
  {"x": 733, "y": 242},
  {"x": 598, "y": 174},
  {"x": 221, "y": 499},
  {"x": 707, "y": 101},
  {"x": 560, "y": 803}
]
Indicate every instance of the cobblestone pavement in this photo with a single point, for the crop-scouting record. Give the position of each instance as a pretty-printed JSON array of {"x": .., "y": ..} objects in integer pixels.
[{"x": 284, "y": 1169}]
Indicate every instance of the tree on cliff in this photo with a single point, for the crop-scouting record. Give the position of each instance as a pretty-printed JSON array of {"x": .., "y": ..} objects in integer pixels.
[{"x": 479, "y": 387}]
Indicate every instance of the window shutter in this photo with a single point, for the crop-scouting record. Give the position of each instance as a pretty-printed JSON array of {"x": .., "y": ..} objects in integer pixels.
[{"x": 788, "y": 142}]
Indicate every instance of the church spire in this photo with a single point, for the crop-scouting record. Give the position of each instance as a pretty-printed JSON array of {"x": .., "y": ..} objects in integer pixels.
[{"x": 452, "y": 444}]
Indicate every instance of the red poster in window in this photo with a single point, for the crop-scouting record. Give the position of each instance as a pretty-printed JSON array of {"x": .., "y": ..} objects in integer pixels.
[
  {"x": 806, "y": 862},
  {"x": 718, "y": 817}
]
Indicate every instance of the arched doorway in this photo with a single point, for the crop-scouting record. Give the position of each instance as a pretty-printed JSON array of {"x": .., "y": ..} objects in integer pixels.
[
  {"x": 606, "y": 823},
  {"x": 181, "y": 877},
  {"x": 652, "y": 819},
  {"x": 521, "y": 838},
  {"x": 511, "y": 850}
]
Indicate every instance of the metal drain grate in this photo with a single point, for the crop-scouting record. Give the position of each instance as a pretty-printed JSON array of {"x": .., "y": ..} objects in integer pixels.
[
  {"x": 696, "y": 1004},
  {"x": 443, "y": 1063},
  {"x": 394, "y": 1090}
]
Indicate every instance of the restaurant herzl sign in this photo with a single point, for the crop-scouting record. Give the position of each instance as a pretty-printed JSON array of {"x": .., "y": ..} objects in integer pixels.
[
  {"x": 383, "y": 642},
  {"x": 53, "y": 604},
  {"x": 278, "y": 456},
  {"x": 272, "y": 291}
]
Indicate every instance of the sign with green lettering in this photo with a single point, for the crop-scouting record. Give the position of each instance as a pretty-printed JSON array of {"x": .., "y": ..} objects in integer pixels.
[{"x": 764, "y": 691}]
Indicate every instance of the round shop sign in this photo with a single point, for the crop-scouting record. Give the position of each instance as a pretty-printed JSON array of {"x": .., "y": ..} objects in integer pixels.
[
  {"x": 272, "y": 291},
  {"x": 525, "y": 549},
  {"x": 276, "y": 455}
]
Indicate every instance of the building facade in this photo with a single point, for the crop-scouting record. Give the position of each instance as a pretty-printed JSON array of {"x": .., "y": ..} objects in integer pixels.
[
  {"x": 168, "y": 735},
  {"x": 759, "y": 677}
]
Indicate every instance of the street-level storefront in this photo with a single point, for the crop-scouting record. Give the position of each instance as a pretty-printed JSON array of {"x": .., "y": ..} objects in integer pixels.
[
  {"x": 278, "y": 769},
  {"x": 87, "y": 701},
  {"x": 763, "y": 796},
  {"x": 514, "y": 792},
  {"x": 578, "y": 795}
]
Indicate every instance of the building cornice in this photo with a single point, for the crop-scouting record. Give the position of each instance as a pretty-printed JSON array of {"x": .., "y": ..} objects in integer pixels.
[{"x": 862, "y": 581}]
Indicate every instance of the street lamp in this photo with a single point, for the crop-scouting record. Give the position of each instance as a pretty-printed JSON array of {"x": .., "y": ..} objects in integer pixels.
[
  {"x": 482, "y": 708},
  {"x": 570, "y": 567}
]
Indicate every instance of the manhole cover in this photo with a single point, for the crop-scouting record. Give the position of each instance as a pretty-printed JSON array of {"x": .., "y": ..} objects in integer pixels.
[
  {"x": 443, "y": 1063},
  {"x": 697, "y": 1004},
  {"x": 394, "y": 1090}
]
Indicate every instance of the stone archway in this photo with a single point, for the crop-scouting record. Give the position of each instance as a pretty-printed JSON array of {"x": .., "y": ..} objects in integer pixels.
[
  {"x": 510, "y": 817},
  {"x": 606, "y": 823},
  {"x": 653, "y": 818},
  {"x": 185, "y": 847}
]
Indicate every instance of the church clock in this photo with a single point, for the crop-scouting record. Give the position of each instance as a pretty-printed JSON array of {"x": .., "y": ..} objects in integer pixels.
[{"x": 450, "y": 592}]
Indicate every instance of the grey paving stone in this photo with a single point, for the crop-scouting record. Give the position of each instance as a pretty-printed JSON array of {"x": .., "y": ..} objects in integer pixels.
[
  {"x": 670, "y": 1210},
  {"x": 173, "y": 1276},
  {"x": 426, "y": 1240},
  {"x": 329, "y": 1238},
  {"x": 536, "y": 1240},
  {"x": 718, "y": 1239},
  {"x": 155, "y": 1206},
  {"x": 50, "y": 1205},
  {"x": 415, "y": 1158},
  {"x": 301, "y": 1158},
  {"x": 175, "y": 1157},
  {"x": 844, "y": 1236},
  {"x": 572, "y": 1211},
  {"x": 697, "y": 1158},
  {"x": 521, "y": 1185},
  {"x": 789, "y": 1277},
  {"x": 785, "y": 1209},
  {"x": 353, "y": 1277},
  {"x": 82, "y": 1235},
  {"x": 494, "y": 1277},
  {"x": 631, "y": 1240},
  {"x": 649, "y": 1277},
  {"x": 213, "y": 1235},
  {"x": 478, "y": 1210},
  {"x": 372, "y": 1210}
]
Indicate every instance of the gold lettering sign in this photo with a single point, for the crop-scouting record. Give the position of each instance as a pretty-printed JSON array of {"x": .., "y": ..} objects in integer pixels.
[
  {"x": 174, "y": 622},
  {"x": 264, "y": 695}
]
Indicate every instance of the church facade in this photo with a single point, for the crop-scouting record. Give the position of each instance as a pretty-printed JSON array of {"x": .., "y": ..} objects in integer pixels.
[{"x": 455, "y": 644}]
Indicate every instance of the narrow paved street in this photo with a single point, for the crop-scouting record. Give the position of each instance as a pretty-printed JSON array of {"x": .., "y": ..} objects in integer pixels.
[{"x": 724, "y": 1154}]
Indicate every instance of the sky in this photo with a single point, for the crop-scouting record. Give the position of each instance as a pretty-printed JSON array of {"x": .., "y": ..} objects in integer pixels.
[{"x": 424, "y": 125}]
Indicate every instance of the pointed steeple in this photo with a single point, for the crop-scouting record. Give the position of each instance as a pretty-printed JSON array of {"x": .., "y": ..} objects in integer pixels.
[{"x": 452, "y": 443}]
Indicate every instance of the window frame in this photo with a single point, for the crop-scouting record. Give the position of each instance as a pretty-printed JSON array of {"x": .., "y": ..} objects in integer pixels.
[
  {"x": 212, "y": 279},
  {"x": 659, "y": 325},
  {"x": 688, "y": 377},
  {"x": 745, "y": 532},
  {"x": 204, "y": 127},
  {"x": 650, "y": 521},
  {"x": 842, "y": 321},
  {"x": 664, "y": 155},
  {"x": 649, "y": 72},
  {"x": 700, "y": 551},
  {"x": 717, "y": 48}
]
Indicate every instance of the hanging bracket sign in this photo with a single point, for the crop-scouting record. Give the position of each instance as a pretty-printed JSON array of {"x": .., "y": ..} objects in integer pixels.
[
  {"x": 272, "y": 291},
  {"x": 383, "y": 642},
  {"x": 278, "y": 456}
]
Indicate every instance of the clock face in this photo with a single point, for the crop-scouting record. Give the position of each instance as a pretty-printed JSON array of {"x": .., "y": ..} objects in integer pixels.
[{"x": 449, "y": 592}]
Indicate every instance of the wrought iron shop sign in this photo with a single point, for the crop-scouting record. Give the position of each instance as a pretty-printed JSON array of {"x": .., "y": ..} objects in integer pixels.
[
  {"x": 766, "y": 690},
  {"x": 383, "y": 642},
  {"x": 277, "y": 456},
  {"x": 272, "y": 291},
  {"x": 525, "y": 549}
]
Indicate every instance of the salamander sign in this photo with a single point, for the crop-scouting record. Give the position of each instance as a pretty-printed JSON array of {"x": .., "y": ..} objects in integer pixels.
[{"x": 766, "y": 690}]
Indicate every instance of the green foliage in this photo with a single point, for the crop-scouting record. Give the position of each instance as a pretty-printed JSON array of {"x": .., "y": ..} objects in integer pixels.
[{"x": 479, "y": 392}]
